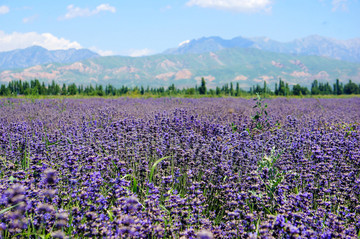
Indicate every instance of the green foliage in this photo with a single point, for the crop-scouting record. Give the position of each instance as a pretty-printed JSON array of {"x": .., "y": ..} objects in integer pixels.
[
  {"x": 299, "y": 90},
  {"x": 134, "y": 187},
  {"x": 9, "y": 208},
  {"x": 272, "y": 176},
  {"x": 318, "y": 88},
  {"x": 261, "y": 118},
  {"x": 283, "y": 88},
  {"x": 338, "y": 88},
  {"x": 154, "y": 167},
  {"x": 36, "y": 89},
  {"x": 351, "y": 88},
  {"x": 202, "y": 88}
]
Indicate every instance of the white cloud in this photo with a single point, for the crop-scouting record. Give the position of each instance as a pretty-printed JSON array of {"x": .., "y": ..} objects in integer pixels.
[
  {"x": 30, "y": 19},
  {"x": 4, "y": 9},
  {"x": 18, "y": 40},
  {"x": 86, "y": 12},
  {"x": 233, "y": 5},
  {"x": 102, "y": 52},
  {"x": 339, "y": 5},
  {"x": 184, "y": 42},
  {"x": 140, "y": 52},
  {"x": 166, "y": 8}
]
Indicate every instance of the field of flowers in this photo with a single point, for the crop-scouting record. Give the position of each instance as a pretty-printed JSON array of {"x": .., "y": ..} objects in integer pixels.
[{"x": 179, "y": 168}]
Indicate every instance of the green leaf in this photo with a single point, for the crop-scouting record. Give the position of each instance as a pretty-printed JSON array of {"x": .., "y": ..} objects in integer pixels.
[
  {"x": 164, "y": 208},
  {"x": 111, "y": 216},
  {"x": 257, "y": 226},
  {"x": 154, "y": 167},
  {"x": 134, "y": 182},
  {"x": 9, "y": 208},
  {"x": 12, "y": 179},
  {"x": 277, "y": 182},
  {"x": 54, "y": 143}
]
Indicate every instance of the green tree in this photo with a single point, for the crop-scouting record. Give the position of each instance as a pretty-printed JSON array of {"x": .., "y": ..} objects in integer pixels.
[
  {"x": 218, "y": 90},
  {"x": 99, "y": 90},
  {"x": 338, "y": 88},
  {"x": 72, "y": 89},
  {"x": 282, "y": 89},
  {"x": 4, "y": 91},
  {"x": 351, "y": 88},
  {"x": 190, "y": 91},
  {"x": 276, "y": 92},
  {"x": 296, "y": 90},
  {"x": 315, "y": 88},
  {"x": 237, "y": 89},
  {"x": 287, "y": 89},
  {"x": 202, "y": 88},
  {"x": 63, "y": 90},
  {"x": 232, "y": 92}
]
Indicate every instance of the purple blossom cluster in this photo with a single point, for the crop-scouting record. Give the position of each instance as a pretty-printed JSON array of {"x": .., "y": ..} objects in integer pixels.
[{"x": 179, "y": 168}]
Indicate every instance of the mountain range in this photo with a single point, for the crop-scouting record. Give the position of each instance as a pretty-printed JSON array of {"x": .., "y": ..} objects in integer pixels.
[
  {"x": 36, "y": 55},
  {"x": 246, "y": 61},
  {"x": 347, "y": 50}
]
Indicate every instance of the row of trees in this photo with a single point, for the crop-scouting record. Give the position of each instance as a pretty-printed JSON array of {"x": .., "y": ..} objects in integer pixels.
[
  {"x": 34, "y": 87},
  {"x": 317, "y": 88}
]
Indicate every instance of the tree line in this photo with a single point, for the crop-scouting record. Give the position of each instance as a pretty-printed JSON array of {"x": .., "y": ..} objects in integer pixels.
[{"x": 35, "y": 88}]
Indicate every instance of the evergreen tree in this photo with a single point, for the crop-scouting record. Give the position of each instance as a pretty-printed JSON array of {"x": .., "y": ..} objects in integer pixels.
[
  {"x": 43, "y": 90},
  {"x": 265, "y": 91},
  {"x": 315, "y": 87},
  {"x": 3, "y": 91},
  {"x": 202, "y": 88},
  {"x": 351, "y": 88},
  {"x": 72, "y": 89},
  {"x": 282, "y": 89},
  {"x": 99, "y": 90},
  {"x": 142, "y": 90},
  {"x": 63, "y": 90},
  {"x": 218, "y": 90},
  {"x": 338, "y": 88},
  {"x": 276, "y": 92},
  {"x": 57, "y": 89},
  {"x": 296, "y": 90},
  {"x": 237, "y": 89},
  {"x": 287, "y": 89},
  {"x": 232, "y": 93}
]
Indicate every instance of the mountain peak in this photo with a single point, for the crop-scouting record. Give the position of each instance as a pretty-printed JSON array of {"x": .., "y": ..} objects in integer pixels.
[
  {"x": 348, "y": 50},
  {"x": 37, "y": 55},
  {"x": 36, "y": 47},
  {"x": 208, "y": 44}
]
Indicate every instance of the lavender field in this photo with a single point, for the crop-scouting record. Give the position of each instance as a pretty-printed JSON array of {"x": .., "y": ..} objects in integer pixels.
[{"x": 179, "y": 168}]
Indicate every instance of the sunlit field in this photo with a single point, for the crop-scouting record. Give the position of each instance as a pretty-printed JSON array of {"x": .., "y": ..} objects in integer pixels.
[{"x": 179, "y": 168}]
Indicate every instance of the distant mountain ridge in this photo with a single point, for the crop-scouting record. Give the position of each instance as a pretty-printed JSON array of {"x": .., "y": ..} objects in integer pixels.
[
  {"x": 347, "y": 50},
  {"x": 246, "y": 66},
  {"x": 36, "y": 55},
  {"x": 247, "y": 61}
]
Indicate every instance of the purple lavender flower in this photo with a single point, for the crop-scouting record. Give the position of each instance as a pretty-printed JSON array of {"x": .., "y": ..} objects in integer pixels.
[{"x": 50, "y": 176}]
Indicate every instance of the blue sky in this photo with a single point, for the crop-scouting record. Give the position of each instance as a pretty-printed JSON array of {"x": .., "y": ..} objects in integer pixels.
[{"x": 140, "y": 27}]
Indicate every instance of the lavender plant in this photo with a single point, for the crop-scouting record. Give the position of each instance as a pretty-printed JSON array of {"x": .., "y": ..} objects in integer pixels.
[
  {"x": 171, "y": 168},
  {"x": 260, "y": 119},
  {"x": 270, "y": 176}
]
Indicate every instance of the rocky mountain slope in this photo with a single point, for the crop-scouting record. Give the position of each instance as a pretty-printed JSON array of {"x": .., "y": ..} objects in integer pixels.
[
  {"x": 347, "y": 50},
  {"x": 36, "y": 55},
  {"x": 248, "y": 66}
]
